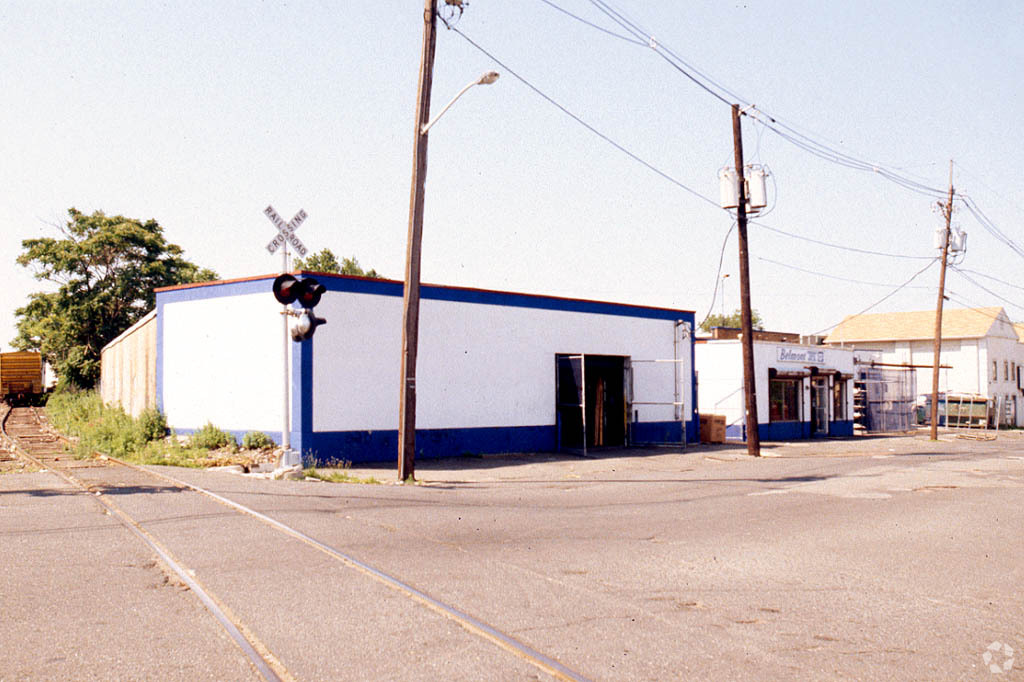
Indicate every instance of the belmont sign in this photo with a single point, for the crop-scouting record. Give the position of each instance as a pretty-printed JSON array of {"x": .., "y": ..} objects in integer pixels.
[{"x": 814, "y": 357}]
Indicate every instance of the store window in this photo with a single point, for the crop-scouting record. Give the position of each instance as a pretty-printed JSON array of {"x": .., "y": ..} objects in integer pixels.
[
  {"x": 839, "y": 400},
  {"x": 784, "y": 400}
]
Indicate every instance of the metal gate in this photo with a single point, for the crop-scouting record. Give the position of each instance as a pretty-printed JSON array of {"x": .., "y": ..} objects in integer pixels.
[{"x": 678, "y": 365}]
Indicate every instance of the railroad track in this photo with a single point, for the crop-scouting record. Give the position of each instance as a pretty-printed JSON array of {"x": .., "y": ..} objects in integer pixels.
[
  {"x": 28, "y": 428},
  {"x": 35, "y": 441}
]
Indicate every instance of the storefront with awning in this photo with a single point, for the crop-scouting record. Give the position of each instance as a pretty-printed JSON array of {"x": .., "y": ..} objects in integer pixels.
[{"x": 803, "y": 391}]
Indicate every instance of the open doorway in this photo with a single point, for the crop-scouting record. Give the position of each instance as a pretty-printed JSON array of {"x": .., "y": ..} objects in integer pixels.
[{"x": 592, "y": 409}]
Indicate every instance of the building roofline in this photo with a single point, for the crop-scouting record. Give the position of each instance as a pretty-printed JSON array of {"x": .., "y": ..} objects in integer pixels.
[{"x": 433, "y": 287}]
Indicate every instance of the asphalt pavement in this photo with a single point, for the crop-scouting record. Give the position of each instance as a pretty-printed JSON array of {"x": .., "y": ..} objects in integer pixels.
[{"x": 869, "y": 558}]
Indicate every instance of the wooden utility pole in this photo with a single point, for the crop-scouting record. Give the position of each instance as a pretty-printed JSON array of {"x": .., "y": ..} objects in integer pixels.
[
  {"x": 411, "y": 295},
  {"x": 948, "y": 210},
  {"x": 747, "y": 324}
]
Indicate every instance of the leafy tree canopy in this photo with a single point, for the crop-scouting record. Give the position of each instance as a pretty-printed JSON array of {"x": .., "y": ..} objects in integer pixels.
[
  {"x": 105, "y": 269},
  {"x": 325, "y": 261},
  {"x": 733, "y": 321}
]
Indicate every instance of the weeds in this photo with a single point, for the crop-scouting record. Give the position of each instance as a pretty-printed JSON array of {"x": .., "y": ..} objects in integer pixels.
[
  {"x": 257, "y": 440},
  {"x": 209, "y": 437},
  {"x": 334, "y": 471},
  {"x": 96, "y": 427},
  {"x": 336, "y": 476}
]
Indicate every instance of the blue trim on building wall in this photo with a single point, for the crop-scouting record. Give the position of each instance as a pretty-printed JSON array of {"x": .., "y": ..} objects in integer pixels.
[
  {"x": 790, "y": 430},
  {"x": 384, "y": 287},
  {"x": 785, "y": 430},
  {"x": 382, "y": 446},
  {"x": 160, "y": 355},
  {"x": 840, "y": 428},
  {"x": 662, "y": 432},
  {"x": 258, "y": 285}
]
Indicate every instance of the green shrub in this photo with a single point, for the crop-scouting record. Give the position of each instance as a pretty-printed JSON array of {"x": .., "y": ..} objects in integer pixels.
[
  {"x": 257, "y": 440},
  {"x": 210, "y": 437},
  {"x": 98, "y": 427},
  {"x": 151, "y": 424}
]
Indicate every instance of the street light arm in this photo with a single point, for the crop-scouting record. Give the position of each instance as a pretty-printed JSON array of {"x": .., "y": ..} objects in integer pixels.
[{"x": 485, "y": 79}]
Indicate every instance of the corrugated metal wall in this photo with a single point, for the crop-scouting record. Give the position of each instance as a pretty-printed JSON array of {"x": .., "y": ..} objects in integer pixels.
[{"x": 128, "y": 368}]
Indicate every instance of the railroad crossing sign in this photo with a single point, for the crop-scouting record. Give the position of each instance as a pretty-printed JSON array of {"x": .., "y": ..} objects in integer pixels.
[{"x": 286, "y": 231}]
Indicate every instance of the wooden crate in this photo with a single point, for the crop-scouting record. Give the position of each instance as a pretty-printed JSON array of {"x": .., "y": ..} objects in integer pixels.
[{"x": 712, "y": 428}]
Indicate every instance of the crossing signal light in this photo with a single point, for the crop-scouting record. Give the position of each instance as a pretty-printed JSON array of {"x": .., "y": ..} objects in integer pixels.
[
  {"x": 288, "y": 289},
  {"x": 309, "y": 292}
]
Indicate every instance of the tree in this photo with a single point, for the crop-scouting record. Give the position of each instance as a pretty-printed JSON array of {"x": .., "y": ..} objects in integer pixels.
[
  {"x": 325, "y": 261},
  {"x": 106, "y": 268},
  {"x": 733, "y": 321}
]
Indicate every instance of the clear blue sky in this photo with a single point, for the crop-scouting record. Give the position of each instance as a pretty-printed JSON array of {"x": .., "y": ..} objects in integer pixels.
[{"x": 199, "y": 114}]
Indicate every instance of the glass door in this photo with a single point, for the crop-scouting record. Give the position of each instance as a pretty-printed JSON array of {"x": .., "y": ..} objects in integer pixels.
[{"x": 819, "y": 406}]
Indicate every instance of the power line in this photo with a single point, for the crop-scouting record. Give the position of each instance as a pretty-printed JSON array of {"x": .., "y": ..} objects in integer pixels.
[
  {"x": 583, "y": 123},
  {"x": 833, "y": 245},
  {"x": 956, "y": 298},
  {"x": 985, "y": 289},
  {"x": 666, "y": 53},
  {"x": 994, "y": 279},
  {"x": 718, "y": 275},
  {"x": 726, "y": 96},
  {"x": 655, "y": 169},
  {"x": 990, "y": 226},
  {"x": 998, "y": 194},
  {"x": 823, "y": 151},
  {"x": 580, "y": 19},
  {"x": 841, "y": 279},
  {"x": 884, "y": 298}
]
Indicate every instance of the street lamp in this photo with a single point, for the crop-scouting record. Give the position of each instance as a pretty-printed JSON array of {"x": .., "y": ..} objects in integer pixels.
[
  {"x": 484, "y": 79},
  {"x": 411, "y": 295}
]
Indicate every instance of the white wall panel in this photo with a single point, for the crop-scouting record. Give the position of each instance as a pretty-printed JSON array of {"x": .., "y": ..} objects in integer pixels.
[
  {"x": 356, "y": 359},
  {"x": 222, "y": 362},
  {"x": 479, "y": 365}
]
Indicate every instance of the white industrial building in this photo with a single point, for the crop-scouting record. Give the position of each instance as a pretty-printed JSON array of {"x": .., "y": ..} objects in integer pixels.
[
  {"x": 803, "y": 390},
  {"x": 981, "y": 351},
  {"x": 497, "y": 371}
]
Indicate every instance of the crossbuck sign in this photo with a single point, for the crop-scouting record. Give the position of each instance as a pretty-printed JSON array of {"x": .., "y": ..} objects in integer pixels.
[{"x": 286, "y": 231}]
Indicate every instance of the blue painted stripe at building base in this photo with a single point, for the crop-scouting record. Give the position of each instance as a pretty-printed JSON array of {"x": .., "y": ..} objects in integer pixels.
[
  {"x": 382, "y": 446},
  {"x": 843, "y": 428},
  {"x": 784, "y": 430},
  {"x": 662, "y": 432},
  {"x": 790, "y": 430}
]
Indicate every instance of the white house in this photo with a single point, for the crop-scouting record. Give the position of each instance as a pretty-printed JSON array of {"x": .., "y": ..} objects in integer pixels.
[
  {"x": 497, "y": 371},
  {"x": 980, "y": 347},
  {"x": 803, "y": 390}
]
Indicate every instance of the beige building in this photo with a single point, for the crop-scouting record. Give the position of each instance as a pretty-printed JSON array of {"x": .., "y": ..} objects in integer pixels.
[
  {"x": 981, "y": 346},
  {"x": 128, "y": 367}
]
